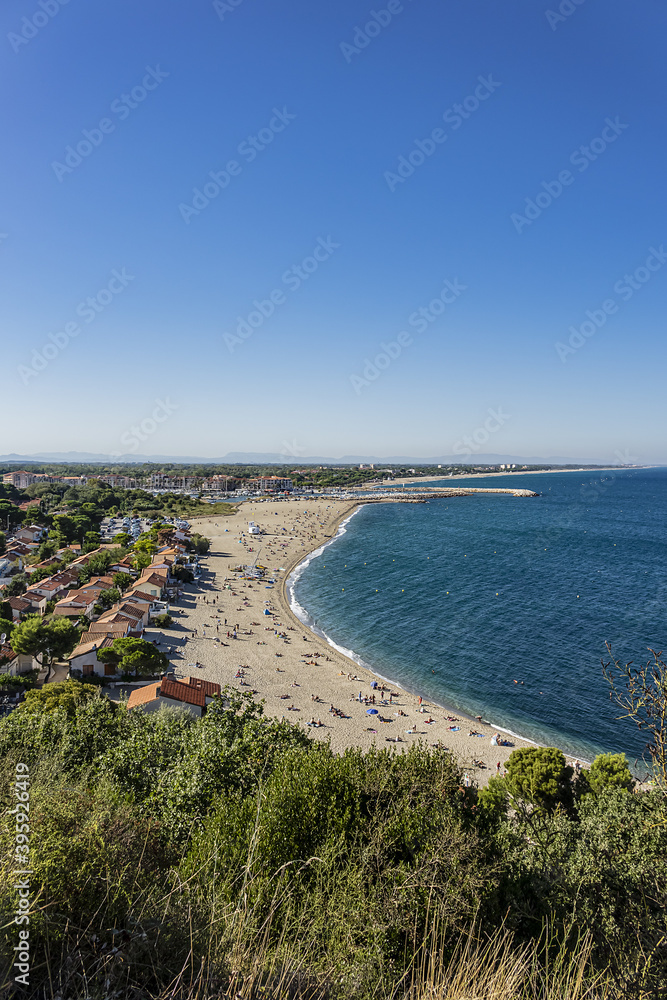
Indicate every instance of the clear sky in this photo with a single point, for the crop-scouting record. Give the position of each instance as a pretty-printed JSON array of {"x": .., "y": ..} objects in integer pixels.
[{"x": 350, "y": 187}]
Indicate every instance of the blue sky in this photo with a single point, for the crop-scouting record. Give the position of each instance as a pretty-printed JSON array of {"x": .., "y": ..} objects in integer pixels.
[{"x": 332, "y": 126}]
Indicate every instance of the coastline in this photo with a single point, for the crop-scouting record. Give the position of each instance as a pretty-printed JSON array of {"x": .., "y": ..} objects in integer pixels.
[
  {"x": 410, "y": 480},
  {"x": 291, "y": 605},
  {"x": 294, "y": 662}
]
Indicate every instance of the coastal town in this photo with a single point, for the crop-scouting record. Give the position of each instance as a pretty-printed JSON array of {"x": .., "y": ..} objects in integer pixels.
[{"x": 168, "y": 611}]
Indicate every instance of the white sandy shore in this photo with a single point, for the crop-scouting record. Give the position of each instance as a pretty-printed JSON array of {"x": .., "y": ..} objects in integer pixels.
[{"x": 299, "y": 666}]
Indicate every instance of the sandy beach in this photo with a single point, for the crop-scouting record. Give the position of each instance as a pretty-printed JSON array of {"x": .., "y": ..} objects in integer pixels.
[{"x": 297, "y": 674}]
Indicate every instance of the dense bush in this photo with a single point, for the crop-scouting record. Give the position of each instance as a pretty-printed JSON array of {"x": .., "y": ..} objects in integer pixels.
[{"x": 233, "y": 843}]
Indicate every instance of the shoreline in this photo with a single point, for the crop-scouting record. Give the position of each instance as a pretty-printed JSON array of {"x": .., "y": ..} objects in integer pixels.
[
  {"x": 410, "y": 480},
  {"x": 351, "y": 654},
  {"x": 324, "y": 670}
]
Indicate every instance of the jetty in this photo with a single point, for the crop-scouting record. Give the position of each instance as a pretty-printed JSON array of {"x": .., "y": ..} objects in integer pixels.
[{"x": 422, "y": 494}]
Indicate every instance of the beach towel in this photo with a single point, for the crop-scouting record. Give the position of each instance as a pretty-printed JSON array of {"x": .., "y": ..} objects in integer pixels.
[{"x": 454, "y": 729}]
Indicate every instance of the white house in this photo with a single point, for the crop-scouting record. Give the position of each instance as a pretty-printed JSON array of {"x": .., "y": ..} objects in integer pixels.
[{"x": 83, "y": 658}]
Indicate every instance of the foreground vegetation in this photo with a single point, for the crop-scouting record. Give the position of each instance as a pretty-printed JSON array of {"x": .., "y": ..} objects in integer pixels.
[{"x": 233, "y": 856}]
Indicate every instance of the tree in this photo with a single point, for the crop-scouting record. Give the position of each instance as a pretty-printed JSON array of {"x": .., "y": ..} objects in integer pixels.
[
  {"x": 6, "y": 626},
  {"x": 16, "y": 586},
  {"x": 122, "y": 580},
  {"x": 183, "y": 574},
  {"x": 40, "y": 572},
  {"x": 98, "y": 564},
  {"x": 66, "y": 527},
  {"x": 163, "y": 621},
  {"x": 45, "y": 640},
  {"x": 200, "y": 544},
  {"x": 641, "y": 693},
  {"x": 10, "y": 515},
  {"x": 107, "y": 598},
  {"x": 47, "y": 549},
  {"x": 91, "y": 540},
  {"x": 65, "y": 694},
  {"x": 609, "y": 770},
  {"x": 134, "y": 656},
  {"x": 145, "y": 545},
  {"x": 540, "y": 777},
  {"x": 2, "y": 543},
  {"x": 122, "y": 538}
]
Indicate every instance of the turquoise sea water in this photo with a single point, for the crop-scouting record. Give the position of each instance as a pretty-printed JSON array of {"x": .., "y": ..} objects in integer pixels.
[{"x": 456, "y": 599}]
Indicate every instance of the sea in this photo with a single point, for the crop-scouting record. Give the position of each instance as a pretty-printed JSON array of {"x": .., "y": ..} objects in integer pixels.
[{"x": 501, "y": 606}]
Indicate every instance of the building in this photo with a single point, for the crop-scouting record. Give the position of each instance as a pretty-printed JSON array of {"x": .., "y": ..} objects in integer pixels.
[
  {"x": 194, "y": 696},
  {"x": 37, "y": 601},
  {"x": 77, "y": 603},
  {"x": 153, "y": 582},
  {"x": 221, "y": 484},
  {"x": 120, "y": 482},
  {"x": 273, "y": 483},
  {"x": 83, "y": 660},
  {"x": 30, "y": 535},
  {"x": 161, "y": 481},
  {"x": 21, "y": 479},
  {"x": 16, "y": 663},
  {"x": 20, "y": 608}
]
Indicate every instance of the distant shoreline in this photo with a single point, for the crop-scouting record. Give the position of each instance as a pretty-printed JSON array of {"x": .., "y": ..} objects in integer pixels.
[{"x": 512, "y": 472}]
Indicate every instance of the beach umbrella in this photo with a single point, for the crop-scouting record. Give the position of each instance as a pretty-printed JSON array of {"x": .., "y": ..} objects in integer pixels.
[{"x": 371, "y": 711}]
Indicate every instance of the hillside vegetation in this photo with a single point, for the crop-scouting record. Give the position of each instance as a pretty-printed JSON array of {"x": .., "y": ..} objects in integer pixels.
[{"x": 231, "y": 856}]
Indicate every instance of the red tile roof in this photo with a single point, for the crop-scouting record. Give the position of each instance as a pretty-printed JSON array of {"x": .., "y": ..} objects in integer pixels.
[
  {"x": 142, "y": 695},
  {"x": 208, "y": 687},
  {"x": 32, "y": 595},
  {"x": 19, "y": 604},
  {"x": 139, "y": 595},
  {"x": 182, "y": 692},
  {"x": 189, "y": 694}
]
